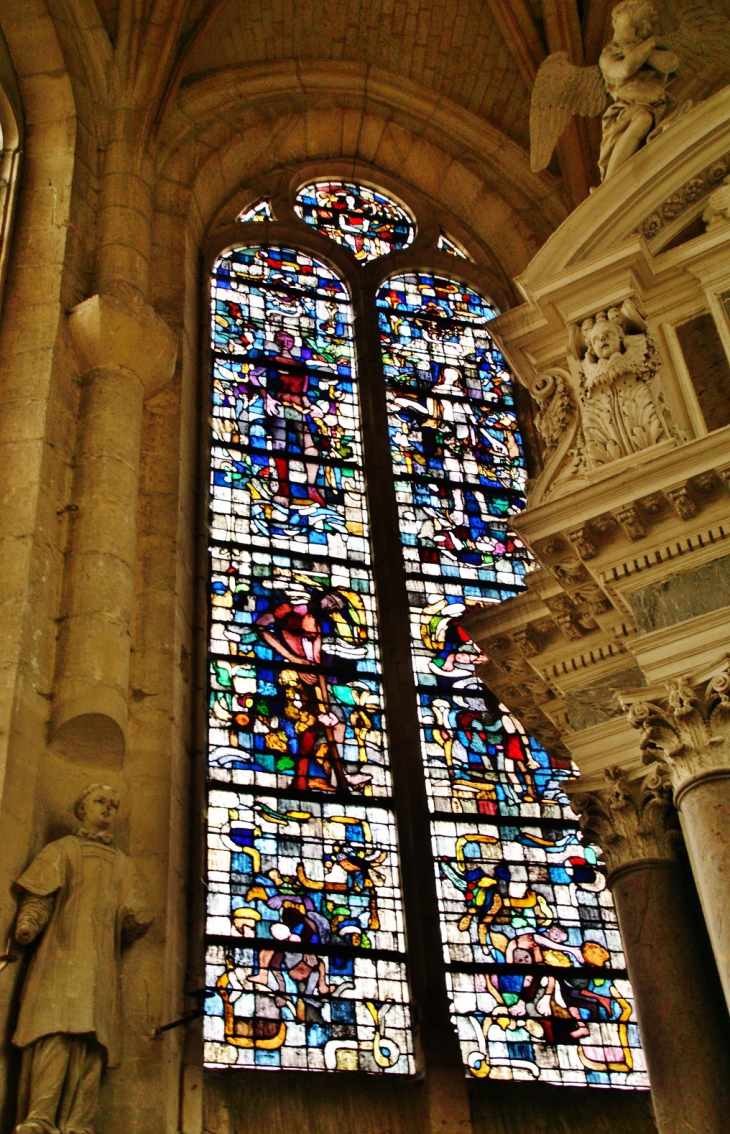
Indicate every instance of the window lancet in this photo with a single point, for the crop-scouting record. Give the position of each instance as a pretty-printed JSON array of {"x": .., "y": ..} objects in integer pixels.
[
  {"x": 306, "y": 951},
  {"x": 364, "y": 220},
  {"x": 534, "y": 963}
]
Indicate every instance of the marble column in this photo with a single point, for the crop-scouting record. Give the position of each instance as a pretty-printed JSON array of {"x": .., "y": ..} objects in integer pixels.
[
  {"x": 690, "y": 734},
  {"x": 127, "y": 354},
  {"x": 683, "y": 1035}
]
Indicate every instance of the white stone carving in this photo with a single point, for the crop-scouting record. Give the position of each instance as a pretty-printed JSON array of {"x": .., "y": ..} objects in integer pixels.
[
  {"x": 556, "y": 406},
  {"x": 634, "y": 71},
  {"x": 717, "y": 210},
  {"x": 618, "y": 362},
  {"x": 80, "y": 893},
  {"x": 691, "y": 734},
  {"x": 630, "y": 820}
]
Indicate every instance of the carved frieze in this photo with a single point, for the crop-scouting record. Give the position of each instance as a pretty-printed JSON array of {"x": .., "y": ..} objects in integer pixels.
[
  {"x": 583, "y": 542},
  {"x": 691, "y": 191},
  {"x": 717, "y": 210}
]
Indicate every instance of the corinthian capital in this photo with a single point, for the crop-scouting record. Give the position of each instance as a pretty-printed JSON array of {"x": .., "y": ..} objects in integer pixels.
[
  {"x": 690, "y": 732},
  {"x": 631, "y": 821}
]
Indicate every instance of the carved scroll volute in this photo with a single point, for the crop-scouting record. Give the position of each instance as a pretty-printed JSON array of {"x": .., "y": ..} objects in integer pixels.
[{"x": 557, "y": 423}]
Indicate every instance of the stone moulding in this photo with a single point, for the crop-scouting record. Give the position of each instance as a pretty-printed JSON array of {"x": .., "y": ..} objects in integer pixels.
[{"x": 695, "y": 189}]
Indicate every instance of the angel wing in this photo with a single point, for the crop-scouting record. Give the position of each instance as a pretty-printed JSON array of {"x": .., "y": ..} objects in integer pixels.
[
  {"x": 561, "y": 90},
  {"x": 703, "y": 38}
]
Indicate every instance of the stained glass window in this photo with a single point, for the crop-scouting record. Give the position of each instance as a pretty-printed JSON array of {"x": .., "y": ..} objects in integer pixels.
[
  {"x": 534, "y": 964},
  {"x": 362, "y": 219},
  {"x": 447, "y": 244},
  {"x": 305, "y": 938},
  {"x": 259, "y": 211}
]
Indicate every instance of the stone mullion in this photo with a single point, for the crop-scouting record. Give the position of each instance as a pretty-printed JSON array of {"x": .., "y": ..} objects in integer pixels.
[
  {"x": 684, "y": 1036},
  {"x": 435, "y": 1031}
]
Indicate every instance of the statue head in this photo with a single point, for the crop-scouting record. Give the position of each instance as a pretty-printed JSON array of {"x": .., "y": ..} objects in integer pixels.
[
  {"x": 97, "y": 807},
  {"x": 605, "y": 338},
  {"x": 634, "y": 19}
]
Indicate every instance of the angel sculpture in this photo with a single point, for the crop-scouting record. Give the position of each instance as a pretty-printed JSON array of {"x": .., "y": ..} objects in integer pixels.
[{"x": 634, "y": 71}]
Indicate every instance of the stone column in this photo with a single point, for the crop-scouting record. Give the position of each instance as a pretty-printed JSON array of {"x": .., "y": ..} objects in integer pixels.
[
  {"x": 691, "y": 735},
  {"x": 128, "y": 354},
  {"x": 683, "y": 1035}
]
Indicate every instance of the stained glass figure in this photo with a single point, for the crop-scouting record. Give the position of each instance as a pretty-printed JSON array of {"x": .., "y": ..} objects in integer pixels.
[
  {"x": 259, "y": 211},
  {"x": 306, "y": 951},
  {"x": 447, "y": 244},
  {"x": 535, "y": 969},
  {"x": 362, "y": 219}
]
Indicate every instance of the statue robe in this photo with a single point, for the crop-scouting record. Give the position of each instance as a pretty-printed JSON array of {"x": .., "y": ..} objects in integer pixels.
[{"x": 74, "y": 980}]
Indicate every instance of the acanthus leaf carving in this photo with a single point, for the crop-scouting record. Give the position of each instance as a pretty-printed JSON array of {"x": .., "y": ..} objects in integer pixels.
[
  {"x": 606, "y": 407},
  {"x": 558, "y": 425},
  {"x": 631, "y": 821},
  {"x": 691, "y": 735},
  {"x": 556, "y": 406},
  {"x": 619, "y": 362}
]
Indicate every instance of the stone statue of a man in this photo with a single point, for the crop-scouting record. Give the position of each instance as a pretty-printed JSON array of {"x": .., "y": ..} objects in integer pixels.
[{"x": 80, "y": 893}]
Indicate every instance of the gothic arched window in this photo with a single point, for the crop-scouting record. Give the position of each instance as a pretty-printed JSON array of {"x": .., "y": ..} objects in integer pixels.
[{"x": 306, "y": 937}]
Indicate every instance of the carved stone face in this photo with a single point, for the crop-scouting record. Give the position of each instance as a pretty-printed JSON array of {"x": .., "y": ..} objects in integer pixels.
[
  {"x": 634, "y": 21},
  {"x": 605, "y": 339},
  {"x": 99, "y": 810}
]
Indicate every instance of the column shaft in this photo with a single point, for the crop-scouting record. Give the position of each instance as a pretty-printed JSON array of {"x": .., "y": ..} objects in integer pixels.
[
  {"x": 91, "y": 694},
  {"x": 127, "y": 354},
  {"x": 681, "y": 1030},
  {"x": 703, "y": 803}
]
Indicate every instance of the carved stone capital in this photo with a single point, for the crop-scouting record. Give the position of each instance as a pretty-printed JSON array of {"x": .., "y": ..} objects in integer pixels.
[
  {"x": 690, "y": 731},
  {"x": 631, "y": 821},
  {"x": 109, "y": 334}
]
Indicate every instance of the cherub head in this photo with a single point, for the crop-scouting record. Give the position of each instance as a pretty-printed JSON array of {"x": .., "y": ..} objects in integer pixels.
[
  {"x": 634, "y": 19},
  {"x": 605, "y": 338},
  {"x": 97, "y": 807}
]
